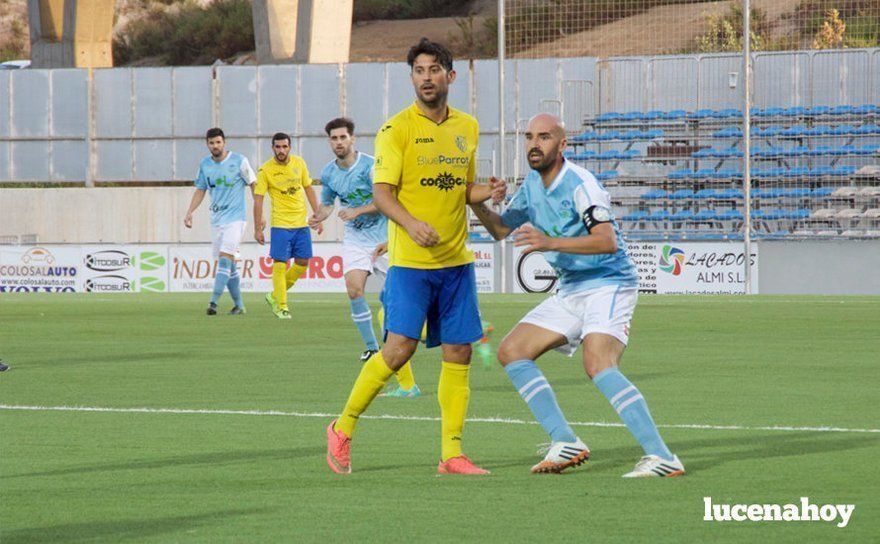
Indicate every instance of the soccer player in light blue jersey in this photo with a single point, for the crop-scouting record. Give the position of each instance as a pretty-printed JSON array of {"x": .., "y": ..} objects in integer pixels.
[
  {"x": 224, "y": 175},
  {"x": 349, "y": 179},
  {"x": 570, "y": 219}
]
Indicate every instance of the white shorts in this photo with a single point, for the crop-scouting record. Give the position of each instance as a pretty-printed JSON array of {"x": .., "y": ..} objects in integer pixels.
[
  {"x": 606, "y": 310},
  {"x": 227, "y": 238},
  {"x": 357, "y": 257}
]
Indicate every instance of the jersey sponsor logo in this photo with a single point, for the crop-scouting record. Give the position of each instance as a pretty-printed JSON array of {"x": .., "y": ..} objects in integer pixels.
[
  {"x": 222, "y": 181},
  {"x": 428, "y": 140},
  {"x": 422, "y": 160},
  {"x": 290, "y": 191},
  {"x": 461, "y": 143},
  {"x": 215, "y": 208},
  {"x": 386, "y": 127},
  {"x": 358, "y": 197},
  {"x": 444, "y": 181}
]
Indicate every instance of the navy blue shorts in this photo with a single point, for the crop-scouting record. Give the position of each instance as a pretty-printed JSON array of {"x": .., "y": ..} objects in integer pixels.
[
  {"x": 286, "y": 244},
  {"x": 446, "y": 297}
]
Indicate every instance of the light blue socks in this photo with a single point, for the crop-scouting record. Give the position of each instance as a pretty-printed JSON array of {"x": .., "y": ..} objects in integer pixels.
[
  {"x": 223, "y": 269},
  {"x": 363, "y": 320},
  {"x": 633, "y": 410},
  {"x": 234, "y": 286},
  {"x": 536, "y": 391}
]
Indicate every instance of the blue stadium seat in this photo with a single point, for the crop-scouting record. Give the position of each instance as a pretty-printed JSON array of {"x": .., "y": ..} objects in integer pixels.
[
  {"x": 682, "y": 215},
  {"x": 818, "y": 130},
  {"x": 654, "y": 194},
  {"x": 583, "y": 156},
  {"x": 729, "y": 194},
  {"x": 795, "y": 131},
  {"x": 770, "y": 214},
  {"x": 653, "y": 133},
  {"x": 675, "y": 114},
  {"x": 681, "y": 194},
  {"x": 842, "y": 130},
  {"x": 629, "y": 154},
  {"x": 631, "y": 116},
  {"x": 729, "y": 113},
  {"x": 843, "y": 150},
  {"x": 703, "y": 194},
  {"x": 768, "y": 131},
  {"x": 706, "y": 215},
  {"x": 866, "y": 109},
  {"x": 844, "y": 171},
  {"x": 768, "y": 152},
  {"x": 588, "y": 136},
  {"x": 702, "y": 173},
  {"x": 797, "y": 172},
  {"x": 821, "y": 192},
  {"x": 867, "y": 129},
  {"x": 726, "y": 173},
  {"x": 729, "y": 132},
  {"x": 819, "y": 151},
  {"x": 653, "y": 115},
  {"x": 606, "y": 175},
  {"x": 769, "y": 112},
  {"x": 842, "y": 110},
  {"x": 607, "y": 155},
  {"x": 703, "y": 153},
  {"x": 730, "y": 215},
  {"x": 816, "y": 111},
  {"x": 868, "y": 150},
  {"x": 770, "y": 192},
  {"x": 609, "y": 116},
  {"x": 795, "y": 151},
  {"x": 679, "y": 174},
  {"x": 821, "y": 171},
  {"x": 702, "y": 114},
  {"x": 631, "y": 135},
  {"x": 800, "y": 213},
  {"x": 795, "y": 192},
  {"x": 610, "y": 135},
  {"x": 795, "y": 111},
  {"x": 658, "y": 215},
  {"x": 638, "y": 215}
]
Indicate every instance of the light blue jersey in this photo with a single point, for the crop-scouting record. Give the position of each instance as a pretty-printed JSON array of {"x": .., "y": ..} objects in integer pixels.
[
  {"x": 353, "y": 187},
  {"x": 558, "y": 211},
  {"x": 225, "y": 181}
]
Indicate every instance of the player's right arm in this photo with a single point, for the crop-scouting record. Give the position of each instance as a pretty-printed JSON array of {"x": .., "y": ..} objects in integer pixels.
[
  {"x": 387, "y": 173},
  {"x": 197, "y": 198},
  {"x": 262, "y": 186}
]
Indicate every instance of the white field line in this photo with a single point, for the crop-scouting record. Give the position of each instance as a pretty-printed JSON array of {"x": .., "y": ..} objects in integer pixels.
[{"x": 783, "y": 428}]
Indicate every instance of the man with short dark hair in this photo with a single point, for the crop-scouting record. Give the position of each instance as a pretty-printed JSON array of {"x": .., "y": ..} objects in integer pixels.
[
  {"x": 349, "y": 178},
  {"x": 422, "y": 182},
  {"x": 225, "y": 175},
  {"x": 286, "y": 178}
]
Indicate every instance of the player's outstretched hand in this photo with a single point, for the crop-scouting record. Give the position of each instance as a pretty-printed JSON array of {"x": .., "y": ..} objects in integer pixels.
[
  {"x": 498, "y": 188},
  {"x": 188, "y": 221},
  {"x": 423, "y": 234},
  {"x": 380, "y": 250},
  {"x": 531, "y": 239},
  {"x": 259, "y": 237}
]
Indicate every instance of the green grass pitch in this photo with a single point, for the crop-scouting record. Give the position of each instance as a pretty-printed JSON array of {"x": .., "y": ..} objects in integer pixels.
[{"x": 747, "y": 362}]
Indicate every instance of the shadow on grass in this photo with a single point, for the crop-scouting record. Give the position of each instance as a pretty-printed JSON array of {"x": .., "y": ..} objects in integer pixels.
[
  {"x": 124, "y": 529},
  {"x": 212, "y": 458}
]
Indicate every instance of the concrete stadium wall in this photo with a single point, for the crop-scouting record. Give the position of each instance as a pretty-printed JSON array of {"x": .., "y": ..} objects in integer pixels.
[
  {"x": 147, "y": 124},
  {"x": 820, "y": 267}
]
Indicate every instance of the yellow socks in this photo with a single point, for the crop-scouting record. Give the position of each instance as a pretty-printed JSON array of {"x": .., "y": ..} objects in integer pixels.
[
  {"x": 279, "y": 286},
  {"x": 405, "y": 376},
  {"x": 453, "y": 393},
  {"x": 373, "y": 377},
  {"x": 294, "y": 273}
]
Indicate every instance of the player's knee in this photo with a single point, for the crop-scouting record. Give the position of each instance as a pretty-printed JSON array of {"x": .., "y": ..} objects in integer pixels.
[
  {"x": 457, "y": 353},
  {"x": 397, "y": 354},
  {"x": 301, "y": 262},
  {"x": 354, "y": 291},
  {"x": 594, "y": 363},
  {"x": 508, "y": 352}
]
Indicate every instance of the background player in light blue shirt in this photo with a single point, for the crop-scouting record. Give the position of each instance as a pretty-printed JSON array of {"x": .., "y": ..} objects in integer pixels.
[
  {"x": 349, "y": 179},
  {"x": 572, "y": 223},
  {"x": 224, "y": 175}
]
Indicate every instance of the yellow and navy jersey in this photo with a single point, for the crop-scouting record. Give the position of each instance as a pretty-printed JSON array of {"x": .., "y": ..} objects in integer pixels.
[
  {"x": 431, "y": 165},
  {"x": 285, "y": 184}
]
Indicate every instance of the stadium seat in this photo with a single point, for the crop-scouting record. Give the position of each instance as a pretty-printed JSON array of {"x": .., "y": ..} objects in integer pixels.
[
  {"x": 629, "y": 154},
  {"x": 769, "y": 131},
  {"x": 821, "y": 171},
  {"x": 682, "y": 215},
  {"x": 819, "y": 151},
  {"x": 841, "y": 110},
  {"x": 821, "y": 192},
  {"x": 771, "y": 192},
  {"x": 819, "y": 130},
  {"x": 675, "y": 114},
  {"x": 702, "y": 173},
  {"x": 583, "y": 156},
  {"x": 706, "y": 215},
  {"x": 816, "y": 111},
  {"x": 767, "y": 152},
  {"x": 729, "y": 113},
  {"x": 768, "y": 112},
  {"x": 795, "y": 151},
  {"x": 659, "y": 215},
  {"x": 681, "y": 194},
  {"x": 842, "y": 130},
  {"x": 868, "y": 150},
  {"x": 795, "y": 111},
  {"x": 848, "y": 217},
  {"x": 607, "y": 155},
  {"x": 844, "y": 171},
  {"x": 638, "y": 215},
  {"x": 703, "y": 153},
  {"x": 654, "y": 194},
  {"x": 823, "y": 215},
  {"x": 607, "y": 175},
  {"x": 726, "y": 173},
  {"x": 795, "y": 192},
  {"x": 798, "y": 214},
  {"x": 866, "y": 109},
  {"x": 794, "y": 131},
  {"x": 610, "y": 135},
  {"x": 679, "y": 174},
  {"x": 609, "y": 116},
  {"x": 867, "y": 129},
  {"x": 729, "y": 132},
  {"x": 797, "y": 172},
  {"x": 653, "y": 115},
  {"x": 871, "y": 218},
  {"x": 843, "y": 151},
  {"x": 653, "y": 133},
  {"x": 631, "y": 135},
  {"x": 729, "y": 194},
  {"x": 702, "y": 114},
  {"x": 587, "y": 136}
]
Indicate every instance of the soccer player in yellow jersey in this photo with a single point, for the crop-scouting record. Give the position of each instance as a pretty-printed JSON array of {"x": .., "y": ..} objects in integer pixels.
[
  {"x": 286, "y": 178},
  {"x": 422, "y": 182}
]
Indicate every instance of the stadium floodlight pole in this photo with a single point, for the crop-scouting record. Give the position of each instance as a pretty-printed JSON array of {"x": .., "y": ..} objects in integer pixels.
[
  {"x": 502, "y": 147},
  {"x": 747, "y": 144}
]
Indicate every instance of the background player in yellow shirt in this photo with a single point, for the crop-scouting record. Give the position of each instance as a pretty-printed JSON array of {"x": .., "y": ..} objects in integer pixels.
[
  {"x": 423, "y": 180},
  {"x": 286, "y": 178}
]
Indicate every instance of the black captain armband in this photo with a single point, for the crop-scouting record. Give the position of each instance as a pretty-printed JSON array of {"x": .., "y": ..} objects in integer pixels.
[{"x": 595, "y": 215}]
